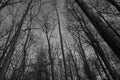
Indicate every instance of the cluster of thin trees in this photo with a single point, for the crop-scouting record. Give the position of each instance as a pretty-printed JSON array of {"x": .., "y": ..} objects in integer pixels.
[{"x": 59, "y": 40}]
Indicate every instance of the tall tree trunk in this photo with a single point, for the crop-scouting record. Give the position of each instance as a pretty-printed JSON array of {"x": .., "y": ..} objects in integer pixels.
[
  {"x": 106, "y": 21},
  {"x": 61, "y": 43},
  {"x": 103, "y": 67},
  {"x": 6, "y": 45},
  {"x": 88, "y": 72},
  {"x": 23, "y": 62},
  {"x": 76, "y": 68},
  {"x": 13, "y": 43},
  {"x": 86, "y": 65},
  {"x": 71, "y": 75},
  {"x": 50, "y": 56},
  {"x": 107, "y": 33},
  {"x": 75, "y": 65}
]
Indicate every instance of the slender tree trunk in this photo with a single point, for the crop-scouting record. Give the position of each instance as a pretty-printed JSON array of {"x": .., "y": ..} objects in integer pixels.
[
  {"x": 92, "y": 44},
  {"x": 23, "y": 63},
  {"x": 61, "y": 43},
  {"x": 71, "y": 75},
  {"x": 86, "y": 65},
  {"x": 75, "y": 65},
  {"x": 13, "y": 43},
  {"x": 6, "y": 46},
  {"x": 50, "y": 56},
  {"x": 107, "y": 33},
  {"x": 88, "y": 72},
  {"x": 103, "y": 67}
]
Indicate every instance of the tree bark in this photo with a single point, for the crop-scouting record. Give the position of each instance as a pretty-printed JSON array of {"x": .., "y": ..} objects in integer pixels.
[
  {"x": 96, "y": 46},
  {"x": 107, "y": 33}
]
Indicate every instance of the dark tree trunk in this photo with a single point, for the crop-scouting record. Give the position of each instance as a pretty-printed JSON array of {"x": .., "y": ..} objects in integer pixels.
[
  {"x": 23, "y": 62},
  {"x": 6, "y": 45},
  {"x": 75, "y": 65},
  {"x": 61, "y": 43},
  {"x": 87, "y": 69},
  {"x": 107, "y": 33},
  {"x": 50, "y": 56},
  {"x": 70, "y": 71},
  {"x": 103, "y": 67}
]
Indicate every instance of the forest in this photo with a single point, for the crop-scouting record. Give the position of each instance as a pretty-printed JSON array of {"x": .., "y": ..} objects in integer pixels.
[{"x": 59, "y": 39}]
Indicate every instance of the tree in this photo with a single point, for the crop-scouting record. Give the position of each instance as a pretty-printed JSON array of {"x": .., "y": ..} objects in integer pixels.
[
  {"x": 74, "y": 63},
  {"x": 108, "y": 35},
  {"x": 48, "y": 28},
  {"x": 61, "y": 40},
  {"x": 92, "y": 41},
  {"x": 13, "y": 42}
]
